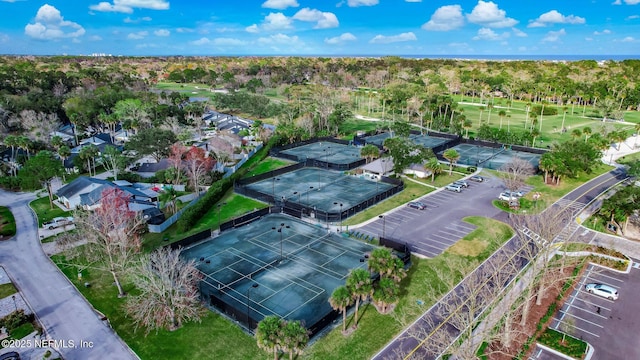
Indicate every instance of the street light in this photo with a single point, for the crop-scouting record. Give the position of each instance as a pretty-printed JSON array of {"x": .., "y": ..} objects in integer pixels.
[
  {"x": 253, "y": 286},
  {"x": 13, "y": 297},
  {"x": 279, "y": 229},
  {"x": 310, "y": 188},
  {"x": 337, "y": 203},
  {"x": 219, "y": 206},
  {"x": 383, "y": 224}
]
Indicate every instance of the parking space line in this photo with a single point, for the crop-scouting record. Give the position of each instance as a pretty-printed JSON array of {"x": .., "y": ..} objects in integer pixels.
[
  {"x": 583, "y": 319},
  {"x": 592, "y": 312},
  {"x": 609, "y": 277},
  {"x": 575, "y": 327},
  {"x": 447, "y": 240},
  {"x": 594, "y": 304}
]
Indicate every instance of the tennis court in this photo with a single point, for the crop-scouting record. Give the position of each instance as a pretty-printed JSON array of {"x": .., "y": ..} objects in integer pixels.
[
  {"x": 424, "y": 140},
  {"x": 491, "y": 158},
  {"x": 277, "y": 265},
  {"x": 326, "y": 151},
  {"x": 320, "y": 189}
]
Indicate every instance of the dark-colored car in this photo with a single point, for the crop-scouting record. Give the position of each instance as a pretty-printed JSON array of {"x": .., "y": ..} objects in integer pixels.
[
  {"x": 12, "y": 355},
  {"x": 461, "y": 183},
  {"x": 417, "y": 205}
]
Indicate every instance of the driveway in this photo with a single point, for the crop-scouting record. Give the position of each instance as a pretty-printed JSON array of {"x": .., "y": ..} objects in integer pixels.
[{"x": 61, "y": 309}]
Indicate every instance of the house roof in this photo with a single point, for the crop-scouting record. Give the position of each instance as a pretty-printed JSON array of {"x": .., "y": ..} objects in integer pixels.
[
  {"x": 163, "y": 164},
  {"x": 78, "y": 186},
  {"x": 379, "y": 166}
]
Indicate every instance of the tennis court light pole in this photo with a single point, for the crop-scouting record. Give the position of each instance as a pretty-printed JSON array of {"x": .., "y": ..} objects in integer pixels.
[
  {"x": 279, "y": 229},
  {"x": 383, "y": 224},
  {"x": 273, "y": 189},
  {"x": 219, "y": 206},
  {"x": 337, "y": 203},
  {"x": 299, "y": 202},
  {"x": 253, "y": 286}
]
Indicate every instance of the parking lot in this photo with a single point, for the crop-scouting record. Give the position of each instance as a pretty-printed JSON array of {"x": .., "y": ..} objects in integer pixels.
[
  {"x": 430, "y": 231},
  {"x": 610, "y": 326}
]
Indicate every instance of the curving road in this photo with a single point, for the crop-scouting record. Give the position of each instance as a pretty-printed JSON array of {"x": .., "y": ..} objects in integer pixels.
[{"x": 62, "y": 310}]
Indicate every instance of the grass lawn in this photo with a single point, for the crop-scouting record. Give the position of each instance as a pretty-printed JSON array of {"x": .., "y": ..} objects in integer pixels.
[
  {"x": 236, "y": 205},
  {"x": 213, "y": 338},
  {"x": 628, "y": 159},
  {"x": 7, "y": 290},
  {"x": 351, "y": 126},
  {"x": 217, "y": 338},
  {"x": 7, "y": 222},
  {"x": 411, "y": 192},
  {"x": 22, "y": 331},
  {"x": 268, "y": 164},
  {"x": 44, "y": 211}
]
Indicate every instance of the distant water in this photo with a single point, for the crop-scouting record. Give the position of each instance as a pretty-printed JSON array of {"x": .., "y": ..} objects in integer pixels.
[{"x": 527, "y": 57}]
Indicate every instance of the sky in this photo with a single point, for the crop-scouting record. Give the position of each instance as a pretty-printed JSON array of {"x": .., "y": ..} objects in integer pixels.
[{"x": 320, "y": 27}]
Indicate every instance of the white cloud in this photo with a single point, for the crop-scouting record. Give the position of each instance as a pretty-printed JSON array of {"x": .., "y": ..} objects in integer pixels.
[
  {"x": 340, "y": 39},
  {"x": 603, "y": 32},
  {"x": 127, "y": 6},
  {"x": 129, "y": 20},
  {"x": 518, "y": 32},
  {"x": 11, "y": 1},
  {"x": 137, "y": 35},
  {"x": 276, "y": 21},
  {"x": 554, "y": 17},
  {"x": 95, "y": 38},
  {"x": 280, "y": 4},
  {"x": 356, "y": 3},
  {"x": 49, "y": 24},
  {"x": 628, "y": 39},
  {"x": 200, "y": 42},
  {"x": 488, "y": 34},
  {"x": 487, "y": 13},
  {"x": 445, "y": 18},
  {"x": 162, "y": 32},
  {"x": 252, "y": 29},
  {"x": 184, "y": 30},
  {"x": 413, "y": 1},
  {"x": 4, "y": 38},
  {"x": 279, "y": 39},
  {"x": 628, "y": 2},
  {"x": 554, "y": 36},
  {"x": 381, "y": 39},
  {"x": 588, "y": 39},
  {"x": 632, "y": 17},
  {"x": 324, "y": 20}
]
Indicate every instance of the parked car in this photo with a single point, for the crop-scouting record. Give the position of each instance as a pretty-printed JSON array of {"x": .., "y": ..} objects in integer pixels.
[
  {"x": 476, "y": 178},
  {"x": 12, "y": 355},
  {"x": 507, "y": 196},
  {"x": 461, "y": 183},
  {"x": 453, "y": 187},
  {"x": 516, "y": 193},
  {"x": 605, "y": 291},
  {"x": 417, "y": 205},
  {"x": 57, "y": 222}
]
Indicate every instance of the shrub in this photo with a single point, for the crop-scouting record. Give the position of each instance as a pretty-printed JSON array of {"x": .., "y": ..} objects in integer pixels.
[{"x": 15, "y": 319}]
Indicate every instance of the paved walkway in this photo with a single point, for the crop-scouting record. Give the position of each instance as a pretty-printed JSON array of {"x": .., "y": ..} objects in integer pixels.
[{"x": 61, "y": 309}]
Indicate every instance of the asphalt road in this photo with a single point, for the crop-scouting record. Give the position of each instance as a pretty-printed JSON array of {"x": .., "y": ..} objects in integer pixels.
[
  {"x": 62, "y": 310},
  {"x": 410, "y": 341}
]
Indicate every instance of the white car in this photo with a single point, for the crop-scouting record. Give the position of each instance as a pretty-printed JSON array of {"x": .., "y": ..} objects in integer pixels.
[
  {"x": 602, "y": 290},
  {"x": 454, "y": 187},
  {"x": 507, "y": 196},
  {"x": 57, "y": 222}
]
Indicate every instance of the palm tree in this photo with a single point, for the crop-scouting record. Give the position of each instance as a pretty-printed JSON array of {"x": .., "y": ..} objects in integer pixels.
[
  {"x": 360, "y": 286},
  {"x": 380, "y": 260},
  {"x": 340, "y": 300},
  {"x": 467, "y": 125},
  {"x": 501, "y": 115},
  {"x": 268, "y": 334},
  {"x": 387, "y": 293},
  {"x": 480, "y": 118},
  {"x": 576, "y": 133},
  {"x": 508, "y": 122},
  {"x": 635, "y": 142},
  {"x": 434, "y": 166},
  {"x": 452, "y": 156},
  {"x": 168, "y": 197},
  {"x": 12, "y": 141},
  {"x": 546, "y": 164},
  {"x": 294, "y": 338},
  {"x": 490, "y": 107},
  {"x": 64, "y": 152},
  {"x": 534, "y": 133},
  {"x": 24, "y": 143},
  {"x": 587, "y": 132}
]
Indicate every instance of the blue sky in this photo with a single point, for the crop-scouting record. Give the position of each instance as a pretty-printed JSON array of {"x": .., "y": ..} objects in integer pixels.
[{"x": 320, "y": 27}]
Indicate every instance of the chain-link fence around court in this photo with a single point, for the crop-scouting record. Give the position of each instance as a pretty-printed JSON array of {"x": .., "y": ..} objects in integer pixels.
[
  {"x": 327, "y": 195},
  {"x": 276, "y": 265}
]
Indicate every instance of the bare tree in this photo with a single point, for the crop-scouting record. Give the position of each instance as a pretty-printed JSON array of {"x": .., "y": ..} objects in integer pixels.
[
  {"x": 197, "y": 165},
  {"x": 112, "y": 234},
  {"x": 168, "y": 288},
  {"x": 515, "y": 172}
]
